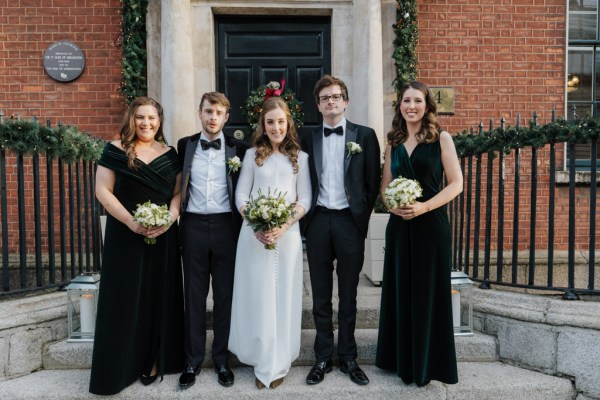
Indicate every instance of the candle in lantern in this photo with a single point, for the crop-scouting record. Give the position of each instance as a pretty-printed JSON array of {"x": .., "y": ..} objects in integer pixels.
[
  {"x": 86, "y": 313},
  {"x": 456, "y": 308}
]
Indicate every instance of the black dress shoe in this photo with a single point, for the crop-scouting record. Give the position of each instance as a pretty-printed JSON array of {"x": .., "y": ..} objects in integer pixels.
[
  {"x": 148, "y": 379},
  {"x": 225, "y": 374},
  {"x": 318, "y": 371},
  {"x": 356, "y": 374},
  {"x": 188, "y": 376}
]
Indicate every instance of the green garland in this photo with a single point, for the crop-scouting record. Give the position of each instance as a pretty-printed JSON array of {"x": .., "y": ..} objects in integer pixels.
[
  {"x": 504, "y": 140},
  {"x": 256, "y": 99},
  {"x": 133, "y": 49},
  {"x": 62, "y": 142},
  {"x": 405, "y": 43}
]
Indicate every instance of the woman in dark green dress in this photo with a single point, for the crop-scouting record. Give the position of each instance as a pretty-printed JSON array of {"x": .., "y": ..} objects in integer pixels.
[
  {"x": 416, "y": 334},
  {"x": 139, "y": 327}
]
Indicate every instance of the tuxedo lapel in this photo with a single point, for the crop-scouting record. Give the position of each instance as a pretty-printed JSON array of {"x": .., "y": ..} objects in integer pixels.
[
  {"x": 229, "y": 153},
  {"x": 318, "y": 150},
  {"x": 351, "y": 134},
  {"x": 190, "y": 149}
]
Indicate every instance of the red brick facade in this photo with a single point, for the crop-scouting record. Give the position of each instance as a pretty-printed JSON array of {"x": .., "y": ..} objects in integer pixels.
[
  {"x": 28, "y": 27},
  {"x": 501, "y": 56}
]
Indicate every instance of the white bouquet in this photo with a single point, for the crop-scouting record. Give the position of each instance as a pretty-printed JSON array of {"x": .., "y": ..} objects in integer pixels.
[
  {"x": 268, "y": 211},
  {"x": 402, "y": 192},
  {"x": 151, "y": 215}
]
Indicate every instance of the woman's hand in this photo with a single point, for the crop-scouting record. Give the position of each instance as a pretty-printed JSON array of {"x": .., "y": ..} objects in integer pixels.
[
  {"x": 412, "y": 211},
  {"x": 149, "y": 232},
  {"x": 271, "y": 236}
]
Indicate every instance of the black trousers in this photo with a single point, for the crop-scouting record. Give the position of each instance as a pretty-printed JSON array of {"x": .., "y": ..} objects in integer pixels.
[
  {"x": 208, "y": 245},
  {"x": 333, "y": 235}
]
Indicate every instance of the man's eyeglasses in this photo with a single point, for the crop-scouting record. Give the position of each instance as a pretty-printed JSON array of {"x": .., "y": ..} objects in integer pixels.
[{"x": 334, "y": 97}]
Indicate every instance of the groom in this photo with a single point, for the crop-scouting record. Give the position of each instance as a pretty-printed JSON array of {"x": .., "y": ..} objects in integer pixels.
[
  {"x": 209, "y": 228},
  {"x": 345, "y": 169}
]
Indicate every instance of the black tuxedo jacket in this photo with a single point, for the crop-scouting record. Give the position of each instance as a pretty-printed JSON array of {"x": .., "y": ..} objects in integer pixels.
[
  {"x": 362, "y": 172},
  {"x": 186, "y": 147}
]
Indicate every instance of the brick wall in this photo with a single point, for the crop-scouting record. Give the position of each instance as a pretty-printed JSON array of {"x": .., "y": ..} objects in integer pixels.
[
  {"x": 27, "y": 28},
  {"x": 505, "y": 57},
  {"x": 501, "y": 56}
]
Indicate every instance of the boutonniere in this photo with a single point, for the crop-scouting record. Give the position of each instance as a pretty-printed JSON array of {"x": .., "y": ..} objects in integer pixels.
[
  {"x": 234, "y": 164},
  {"x": 353, "y": 148}
]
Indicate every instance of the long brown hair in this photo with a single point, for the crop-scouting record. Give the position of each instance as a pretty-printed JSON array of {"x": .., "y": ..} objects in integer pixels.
[
  {"x": 290, "y": 145},
  {"x": 430, "y": 128},
  {"x": 128, "y": 131}
]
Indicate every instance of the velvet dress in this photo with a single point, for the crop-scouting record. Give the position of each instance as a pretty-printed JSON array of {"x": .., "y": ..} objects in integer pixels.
[
  {"x": 416, "y": 333},
  {"x": 140, "y": 303}
]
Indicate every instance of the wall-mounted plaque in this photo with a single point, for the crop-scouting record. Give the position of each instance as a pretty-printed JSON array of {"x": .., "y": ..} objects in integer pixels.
[
  {"x": 64, "y": 61},
  {"x": 444, "y": 99}
]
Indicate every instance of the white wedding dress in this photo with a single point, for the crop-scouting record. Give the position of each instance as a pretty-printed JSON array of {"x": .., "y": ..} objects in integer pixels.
[{"x": 267, "y": 291}]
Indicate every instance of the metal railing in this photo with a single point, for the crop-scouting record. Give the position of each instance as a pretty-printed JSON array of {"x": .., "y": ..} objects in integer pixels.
[
  {"x": 49, "y": 220},
  {"x": 514, "y": 225}
]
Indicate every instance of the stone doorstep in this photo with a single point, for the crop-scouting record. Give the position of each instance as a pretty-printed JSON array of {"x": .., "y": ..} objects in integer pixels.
[
  {"x": 477, "y": 381},
  {"x": 476, "y": 348}
]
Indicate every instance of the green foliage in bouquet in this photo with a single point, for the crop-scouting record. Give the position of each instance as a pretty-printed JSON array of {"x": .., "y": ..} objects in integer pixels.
[{"x": 268, "y": 211}]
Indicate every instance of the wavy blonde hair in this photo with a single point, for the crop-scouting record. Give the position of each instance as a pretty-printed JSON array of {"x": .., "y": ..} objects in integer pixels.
[
  {"x": 430, "y": 128},
  {"x": 128, "y": 130},
  {"x": 290, "y": 145}
]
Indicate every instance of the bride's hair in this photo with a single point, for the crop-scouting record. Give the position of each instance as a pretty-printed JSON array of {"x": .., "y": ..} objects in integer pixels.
[{"x": 290, "y": 145}]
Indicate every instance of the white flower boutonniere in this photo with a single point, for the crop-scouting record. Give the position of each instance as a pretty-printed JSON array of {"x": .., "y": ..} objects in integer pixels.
[
  {"x": 353, "y": 148},
  {"x": 234, "y": 164}
]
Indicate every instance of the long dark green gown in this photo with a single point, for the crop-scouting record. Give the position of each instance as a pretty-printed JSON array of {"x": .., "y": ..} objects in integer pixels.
[
  {"x": 140, "y": 304},
  {"x": 416, "y": 334}
]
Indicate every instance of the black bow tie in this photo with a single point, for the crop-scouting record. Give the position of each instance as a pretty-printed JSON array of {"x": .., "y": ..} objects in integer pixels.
[
  {"x": 215, "y": 144},
  {"x": 338, "y": 131}
]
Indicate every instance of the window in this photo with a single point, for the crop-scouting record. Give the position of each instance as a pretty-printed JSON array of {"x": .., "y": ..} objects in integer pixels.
[{"x": 583, "y": 63}]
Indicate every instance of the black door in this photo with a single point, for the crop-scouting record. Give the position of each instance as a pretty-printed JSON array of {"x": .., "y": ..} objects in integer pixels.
[{"x": 252, "y": 51}]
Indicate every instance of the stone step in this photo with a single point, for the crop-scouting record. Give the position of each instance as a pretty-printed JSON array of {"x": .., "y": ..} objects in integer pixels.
[
  {"x": 477, "y": 381},
  {"x": 479, "y": 347}
]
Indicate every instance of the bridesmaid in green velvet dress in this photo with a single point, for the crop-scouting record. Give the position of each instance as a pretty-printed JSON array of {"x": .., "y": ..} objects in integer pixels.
[
  {"x": 139, "y": 326},
  {"x": 416, "y": 334}
]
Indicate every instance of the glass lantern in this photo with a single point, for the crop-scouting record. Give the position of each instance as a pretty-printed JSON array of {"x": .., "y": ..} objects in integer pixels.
[
  {"x": 462, "y": 303},
  {"x": 82, "y": 302}
]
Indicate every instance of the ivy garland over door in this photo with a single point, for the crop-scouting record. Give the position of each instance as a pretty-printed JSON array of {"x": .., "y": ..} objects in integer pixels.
[
  {"x": 132, "y": 42},
  {"x": 405, "y": 43}
]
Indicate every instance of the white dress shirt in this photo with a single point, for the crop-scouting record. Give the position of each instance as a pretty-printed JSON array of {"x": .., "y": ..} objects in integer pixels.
[
  {"x": 208, "y": 180},
  {"x": 332, "y": 194}
]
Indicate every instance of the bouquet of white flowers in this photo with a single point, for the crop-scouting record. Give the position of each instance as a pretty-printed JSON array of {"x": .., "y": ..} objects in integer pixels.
[
  {"x": 151, "y": 215},
  {"x": 268, "y": 211},
  {"x": 402, "y": 192}
]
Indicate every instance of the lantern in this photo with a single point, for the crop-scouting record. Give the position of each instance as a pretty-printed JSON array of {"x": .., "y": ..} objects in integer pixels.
[
  {"x": 462, "y": 303},
  {"x": 82, "y": 301}
]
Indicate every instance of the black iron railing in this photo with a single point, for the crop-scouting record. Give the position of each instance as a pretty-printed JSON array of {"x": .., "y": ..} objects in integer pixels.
[
  {"x": 65, "y": 237},
  {"x": 532, "y": 247}
]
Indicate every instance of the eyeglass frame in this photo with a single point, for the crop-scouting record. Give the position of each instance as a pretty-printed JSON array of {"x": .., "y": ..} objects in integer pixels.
[{"x": 325, "y": 99}]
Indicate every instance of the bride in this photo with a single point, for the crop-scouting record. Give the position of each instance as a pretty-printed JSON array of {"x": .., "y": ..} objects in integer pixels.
[{"x": 267, "y": 292}]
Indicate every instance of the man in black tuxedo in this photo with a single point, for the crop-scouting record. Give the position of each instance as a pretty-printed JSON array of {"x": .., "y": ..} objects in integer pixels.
[
  {"x": 345, "y": 170},
  {"x": 209, "y": 228}
]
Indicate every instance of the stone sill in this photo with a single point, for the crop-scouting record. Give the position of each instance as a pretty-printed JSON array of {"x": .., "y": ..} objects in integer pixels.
[
  {"x": 32, "y": 310},
  {"x": 537, "y": 309},
  {"x": 581, "y": 177}
]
